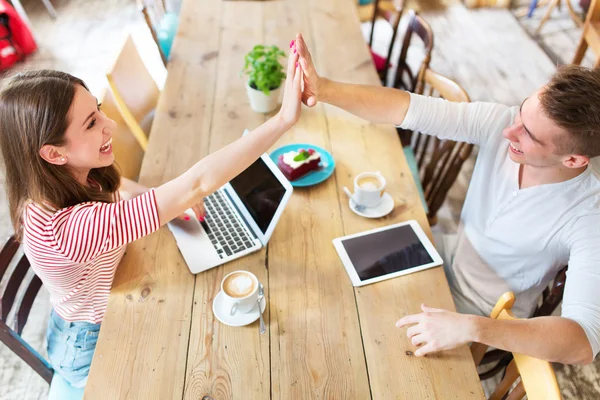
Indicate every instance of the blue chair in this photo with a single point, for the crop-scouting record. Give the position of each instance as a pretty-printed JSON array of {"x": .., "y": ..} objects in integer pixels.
[
  {"x": 435, "y": 163},
  {"x": 162, "y": 24}
]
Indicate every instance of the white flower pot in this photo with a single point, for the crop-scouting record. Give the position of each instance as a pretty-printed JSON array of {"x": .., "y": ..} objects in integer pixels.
[{"x": 262, "y": 103}]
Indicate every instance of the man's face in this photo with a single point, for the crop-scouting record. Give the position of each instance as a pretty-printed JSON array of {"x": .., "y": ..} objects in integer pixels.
[{"x": 532, "y": 136}]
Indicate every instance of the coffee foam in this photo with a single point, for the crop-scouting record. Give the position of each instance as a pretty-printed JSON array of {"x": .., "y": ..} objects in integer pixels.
[{"x": 239, "y": 285}]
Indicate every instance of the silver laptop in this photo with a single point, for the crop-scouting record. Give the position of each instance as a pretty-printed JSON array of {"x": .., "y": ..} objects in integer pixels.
[{"x": 240, "y": 217}]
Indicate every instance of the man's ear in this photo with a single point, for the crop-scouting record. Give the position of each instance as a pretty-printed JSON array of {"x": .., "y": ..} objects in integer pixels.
[
  {"x": 52, "y": 155},
  {"x": 576, "y": 161}
]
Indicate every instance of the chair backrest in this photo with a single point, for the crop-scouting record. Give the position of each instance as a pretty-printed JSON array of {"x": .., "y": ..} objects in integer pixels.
[
  {"x": 538, "y": 380},
  {"x": 551, "y": 298},
  {"x": 134, "y": 91},
  {"x": 153, "y": 11},
  {"x": 392, "y": 16},
  {"x": 15, "y": 278},
  {"x": 439, "y": 161},
  {"x": 126, "y": 148},
  {"x": 406, "y": 78}
]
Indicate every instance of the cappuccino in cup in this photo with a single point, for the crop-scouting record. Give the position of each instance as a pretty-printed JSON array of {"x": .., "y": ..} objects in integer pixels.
[
  {"x": 241, "y": 291},
  {"x": 239, "y": 284},
  {"x": 369, "y": 182},
  {"x": 369, "y": 188}
]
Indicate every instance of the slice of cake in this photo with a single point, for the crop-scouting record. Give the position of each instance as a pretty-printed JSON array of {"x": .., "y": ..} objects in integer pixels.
[{"x": 296, "y": 164}]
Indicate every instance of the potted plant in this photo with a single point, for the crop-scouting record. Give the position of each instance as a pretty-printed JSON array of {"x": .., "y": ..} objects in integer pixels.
[{"x": 265, "y": 74}]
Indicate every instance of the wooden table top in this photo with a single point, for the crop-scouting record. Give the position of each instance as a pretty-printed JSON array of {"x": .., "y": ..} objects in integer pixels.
[{"x": 325, "y": 339}]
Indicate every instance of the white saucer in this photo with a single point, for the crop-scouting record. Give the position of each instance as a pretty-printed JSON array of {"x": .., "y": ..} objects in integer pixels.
[
  {"x": 238, "y": 319},
  {"x": 384, "y": 208}
]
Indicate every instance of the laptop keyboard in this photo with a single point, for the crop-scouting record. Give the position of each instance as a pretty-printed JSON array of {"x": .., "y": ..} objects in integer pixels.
[{"x": 224, "y": 227}]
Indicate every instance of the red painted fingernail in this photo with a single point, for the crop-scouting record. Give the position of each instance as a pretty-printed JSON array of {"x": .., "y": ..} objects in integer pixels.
[
  {"x": 292, "y": 43},
  {"x": 187, "y": 217},
  {"x": 201, "y": 219},
  {"x": 294, "y": 50}
]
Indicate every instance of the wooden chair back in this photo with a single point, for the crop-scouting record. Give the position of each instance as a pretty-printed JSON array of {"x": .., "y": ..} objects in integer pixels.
[
  {"x": 19, "y": 308},
  {"x": 392, "y": 15},
  {"x": 590, "y": 36},
  {"x": 551, "y": 298},
  {"x": 126, "y": 148},
  {"x": 406, "y": 78},
  {"x": 537, "y": 378},
  {"x": 153, "y": 11},
  {"x": 438, "y": 161},
  {"x": 134, "y": 91}
]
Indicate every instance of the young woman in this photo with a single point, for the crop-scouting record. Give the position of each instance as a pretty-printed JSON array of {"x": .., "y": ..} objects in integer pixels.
[{"x": 66, "y": 206}]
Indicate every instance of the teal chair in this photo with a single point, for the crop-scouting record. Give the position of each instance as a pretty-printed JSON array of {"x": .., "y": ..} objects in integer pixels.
[
  {"x": 435, "y": 163},
  {"x": 162, "y": 24}
]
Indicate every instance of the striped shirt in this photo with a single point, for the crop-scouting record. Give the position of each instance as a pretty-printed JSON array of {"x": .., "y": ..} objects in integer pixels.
[{"x": 75, "y": 250}]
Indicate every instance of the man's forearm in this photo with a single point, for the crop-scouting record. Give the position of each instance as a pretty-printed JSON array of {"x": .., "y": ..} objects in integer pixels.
[
  {"x": 554, "y": 339},
  {"x": 377, "y": 104}
]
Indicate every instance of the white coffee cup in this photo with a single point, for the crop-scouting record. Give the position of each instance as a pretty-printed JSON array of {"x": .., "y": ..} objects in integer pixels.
[
  {"x": 369, "y": 188},
  {"x": 240, "y": 289}
]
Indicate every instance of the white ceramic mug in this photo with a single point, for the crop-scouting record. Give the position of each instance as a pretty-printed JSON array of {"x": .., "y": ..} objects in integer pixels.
[
  {"x": 369, "y": 188},
  {"x": 240, "y": 289}
]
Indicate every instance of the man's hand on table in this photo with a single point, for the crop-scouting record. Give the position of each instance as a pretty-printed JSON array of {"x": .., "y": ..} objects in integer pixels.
[
  {"x": 310, "y": 95},
  {"x": 436, "y": 330}
]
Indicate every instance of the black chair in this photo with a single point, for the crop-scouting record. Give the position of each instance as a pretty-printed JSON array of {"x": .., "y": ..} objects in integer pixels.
[{"x": 9, "y": 336}]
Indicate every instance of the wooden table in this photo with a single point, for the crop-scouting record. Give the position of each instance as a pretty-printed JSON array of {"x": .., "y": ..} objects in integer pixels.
[{"x": 325, "y": 339}]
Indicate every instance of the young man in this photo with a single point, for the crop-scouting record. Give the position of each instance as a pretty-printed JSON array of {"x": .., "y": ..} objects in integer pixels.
[{"x": 533, "y": 206}]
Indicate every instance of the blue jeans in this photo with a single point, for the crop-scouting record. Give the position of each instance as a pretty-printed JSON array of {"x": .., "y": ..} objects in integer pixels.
[{"x": 71, "y": 346}]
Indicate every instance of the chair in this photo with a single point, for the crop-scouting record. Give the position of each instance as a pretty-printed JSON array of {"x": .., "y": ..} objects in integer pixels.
[
  {"x": 551, "y": 298},
  {"x": 20, "y": 310},
  {"x": 60, "y": 389},
  {"x": 590, "y": 36},
  {"x": 162, "y": 24},
  {"x": 435, "y": 163},
  {"x": 134, "y": 91},
  {"x": 405, "y": 78},
  {"x": 126, "y": 148},
  {"x": 538, "y": 380},
  {"x": 392, "y": 16}
]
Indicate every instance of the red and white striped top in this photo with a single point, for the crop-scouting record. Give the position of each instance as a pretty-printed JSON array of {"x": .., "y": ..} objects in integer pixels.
[{"x": 75, "y": 250}]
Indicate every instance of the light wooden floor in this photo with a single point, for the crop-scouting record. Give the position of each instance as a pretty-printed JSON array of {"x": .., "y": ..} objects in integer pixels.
[{"x": 486, "y": 51}]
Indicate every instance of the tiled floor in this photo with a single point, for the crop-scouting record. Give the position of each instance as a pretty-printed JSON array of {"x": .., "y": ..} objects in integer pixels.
[{"x": 88, "y": 33}]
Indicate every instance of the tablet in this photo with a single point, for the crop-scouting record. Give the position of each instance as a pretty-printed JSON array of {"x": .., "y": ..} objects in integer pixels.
[{"x": 387, "y": 252}]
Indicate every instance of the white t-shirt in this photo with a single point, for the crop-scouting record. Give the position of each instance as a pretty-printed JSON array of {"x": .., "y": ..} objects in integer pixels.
[{"x": 513, "y": 239}]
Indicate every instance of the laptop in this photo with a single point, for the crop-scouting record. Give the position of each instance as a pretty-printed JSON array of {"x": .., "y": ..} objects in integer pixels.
[{"x": 240, "y": 217}]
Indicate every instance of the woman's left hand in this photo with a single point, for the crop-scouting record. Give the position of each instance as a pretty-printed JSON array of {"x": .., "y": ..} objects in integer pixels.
[{"x": 289, "y": 113}]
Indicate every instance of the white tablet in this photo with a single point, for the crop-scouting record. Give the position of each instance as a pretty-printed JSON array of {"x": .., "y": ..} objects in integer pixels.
[{"x": 387, "y": 252}]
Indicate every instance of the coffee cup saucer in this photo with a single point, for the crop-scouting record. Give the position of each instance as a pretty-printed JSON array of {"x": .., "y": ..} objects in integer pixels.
[
  {"x": 384, "y": 208},
  {"x": 222, "y": 312}
]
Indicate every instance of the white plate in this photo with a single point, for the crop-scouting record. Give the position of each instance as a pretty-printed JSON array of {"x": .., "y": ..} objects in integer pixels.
[
  {"x": 238, "y": 319},
  {"x": 384, "y": 208}
]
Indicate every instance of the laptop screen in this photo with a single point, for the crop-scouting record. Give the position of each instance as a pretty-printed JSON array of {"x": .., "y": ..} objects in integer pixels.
[{"x": 260, "y": 191}]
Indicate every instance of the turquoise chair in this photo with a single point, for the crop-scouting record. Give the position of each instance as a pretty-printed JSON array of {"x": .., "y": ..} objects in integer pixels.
[
  {"x": 162, "y": 24},
  {"x": 414, "y": 170},
  {"x": 166, "y": 31}
]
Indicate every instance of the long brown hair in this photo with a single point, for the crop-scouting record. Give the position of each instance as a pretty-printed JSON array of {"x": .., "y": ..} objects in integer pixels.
[{"x": 33, "y": 113}]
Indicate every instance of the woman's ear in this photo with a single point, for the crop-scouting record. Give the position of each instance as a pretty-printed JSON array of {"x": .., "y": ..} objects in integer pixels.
[{"x": 52, "y": 155}]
